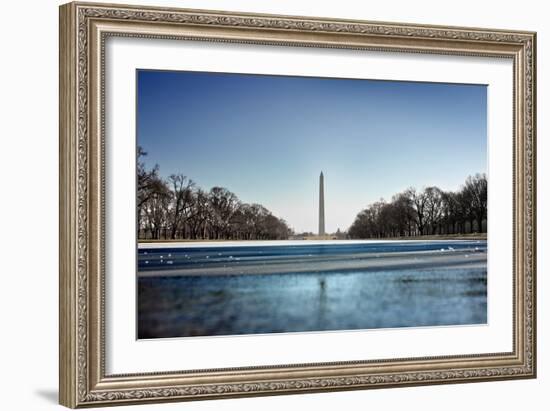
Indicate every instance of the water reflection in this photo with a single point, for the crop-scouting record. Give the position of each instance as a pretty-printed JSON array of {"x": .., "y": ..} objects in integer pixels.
[{"x": 177, "y": 306}]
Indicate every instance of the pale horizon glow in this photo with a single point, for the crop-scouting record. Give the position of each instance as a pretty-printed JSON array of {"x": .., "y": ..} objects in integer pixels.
[{"x": 267, "y": 138}]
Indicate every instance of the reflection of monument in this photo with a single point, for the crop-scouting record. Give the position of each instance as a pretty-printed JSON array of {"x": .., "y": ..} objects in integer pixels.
[{"x": 321, "y": 205}]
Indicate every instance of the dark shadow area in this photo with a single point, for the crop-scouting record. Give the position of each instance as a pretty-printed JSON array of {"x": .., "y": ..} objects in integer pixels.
[{"x": 49, "y": 395}]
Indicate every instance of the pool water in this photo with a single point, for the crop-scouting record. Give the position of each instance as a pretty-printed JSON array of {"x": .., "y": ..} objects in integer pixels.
[{"x": 174, "y": 304}]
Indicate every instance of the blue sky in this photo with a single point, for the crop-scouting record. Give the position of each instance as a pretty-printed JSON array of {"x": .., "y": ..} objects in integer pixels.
[{"x": 267, "y": 138}]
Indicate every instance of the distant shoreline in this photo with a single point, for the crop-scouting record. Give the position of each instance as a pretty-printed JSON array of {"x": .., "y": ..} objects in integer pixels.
[{"x": 475, "y": 236}]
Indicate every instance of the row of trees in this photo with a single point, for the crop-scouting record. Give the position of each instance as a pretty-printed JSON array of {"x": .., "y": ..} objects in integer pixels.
[
  {"x": 175, "y": 208},
  {"x": 427, "y": 212}
]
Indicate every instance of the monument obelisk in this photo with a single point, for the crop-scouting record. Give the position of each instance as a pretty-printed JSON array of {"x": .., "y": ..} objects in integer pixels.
[{"x": 321, "y": 205}]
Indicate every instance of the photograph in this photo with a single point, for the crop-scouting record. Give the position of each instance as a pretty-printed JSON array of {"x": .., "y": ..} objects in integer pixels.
[
  {"x": 264, "y": 202},
  {"x": 287, "y": 204}
]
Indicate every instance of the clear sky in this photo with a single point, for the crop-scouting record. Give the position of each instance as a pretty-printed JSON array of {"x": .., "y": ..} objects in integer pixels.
[{"x": 267, "y": 138}]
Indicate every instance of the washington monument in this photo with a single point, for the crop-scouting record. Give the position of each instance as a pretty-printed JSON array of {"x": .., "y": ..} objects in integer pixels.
[{"x": 321, "y": 204}]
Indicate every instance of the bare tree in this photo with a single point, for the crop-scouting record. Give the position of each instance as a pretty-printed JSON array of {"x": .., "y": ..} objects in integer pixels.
[
  {"x": 431, "y": 211},
  {"x": 369, "y": 222},
  {"x": 433, "y": 207},
  {"x": 182, "y": 197},
  {"x": 476, "y": 187},
  {"x": 223, "y": 204},
  {"x": 176, "y": 208},
  {"x": 419, "y": 206},
  {"x": 404, "y": 211},
  {"x": 149, "y": 184},
  {"x": 199, "y": 215},
  {"x": 451, "y": 210},
  {"x": 156, "y": 211}
]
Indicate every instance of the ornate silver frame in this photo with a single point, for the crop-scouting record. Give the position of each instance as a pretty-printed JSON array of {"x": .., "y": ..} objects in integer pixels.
[{"x": 83, "y": 30}]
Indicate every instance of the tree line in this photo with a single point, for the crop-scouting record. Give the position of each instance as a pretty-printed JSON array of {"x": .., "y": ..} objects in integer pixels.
[
  {"x": 176, "y": 208},
  {"x": 427, "y": 212}
]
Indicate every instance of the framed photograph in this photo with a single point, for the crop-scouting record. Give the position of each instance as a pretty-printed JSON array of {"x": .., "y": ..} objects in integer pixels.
[{"x": 259, "y": 204}]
